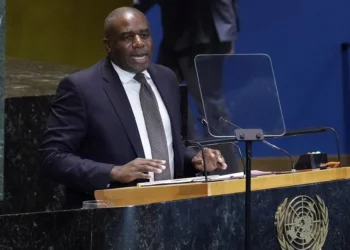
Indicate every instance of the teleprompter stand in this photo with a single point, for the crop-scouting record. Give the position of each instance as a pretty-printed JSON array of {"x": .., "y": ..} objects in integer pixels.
[{"x": 244, "y": 135}]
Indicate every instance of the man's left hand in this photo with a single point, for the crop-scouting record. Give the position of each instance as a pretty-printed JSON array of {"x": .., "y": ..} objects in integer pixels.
[{"x": 213, "y": 160}]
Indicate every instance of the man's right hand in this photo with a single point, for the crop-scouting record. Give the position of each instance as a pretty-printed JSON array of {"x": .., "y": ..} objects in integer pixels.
[{"x": 136, "y": 170}]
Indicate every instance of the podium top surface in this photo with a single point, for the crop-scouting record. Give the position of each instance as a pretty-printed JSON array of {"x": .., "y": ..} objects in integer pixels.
[{"x": 152, "y": 194}]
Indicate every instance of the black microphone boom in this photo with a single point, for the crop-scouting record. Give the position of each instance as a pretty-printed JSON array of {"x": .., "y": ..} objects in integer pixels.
[
  {"x": 305, "y": 131},
  {"x": 315, "y": 130}
]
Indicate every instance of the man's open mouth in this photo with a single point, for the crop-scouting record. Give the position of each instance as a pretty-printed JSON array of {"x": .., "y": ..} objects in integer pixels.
[{"x": 139, "y": 57}]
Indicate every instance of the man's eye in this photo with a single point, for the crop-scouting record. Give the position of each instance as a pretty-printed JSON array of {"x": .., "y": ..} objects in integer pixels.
[
  {"x": 146, "y": 35},
  {"x": 126, "y": 37}
]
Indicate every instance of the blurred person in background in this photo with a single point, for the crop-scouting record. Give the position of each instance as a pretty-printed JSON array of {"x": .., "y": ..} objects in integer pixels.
[{"x": 190, "y": 28}]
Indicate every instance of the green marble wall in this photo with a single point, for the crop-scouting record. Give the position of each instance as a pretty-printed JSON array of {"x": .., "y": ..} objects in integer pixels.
[
  {"x": 2, "y": 83},
  {"x": 59, "y": 32},
  {"x": 45, "y": 41}
]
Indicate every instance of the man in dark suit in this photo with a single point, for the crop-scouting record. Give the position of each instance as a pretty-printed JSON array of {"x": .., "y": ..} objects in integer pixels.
[
  {"x": 192, "y": 27},
  {"x": 118, "y": 122}
]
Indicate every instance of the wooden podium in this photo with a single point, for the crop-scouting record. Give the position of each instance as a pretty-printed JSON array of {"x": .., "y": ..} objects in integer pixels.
[
  {"x": 153, "y": 194},
  {"x": 213, "y": 221}
]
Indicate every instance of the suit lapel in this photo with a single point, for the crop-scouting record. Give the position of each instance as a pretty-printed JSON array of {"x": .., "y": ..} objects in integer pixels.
[{"x": 116, "y": 94}]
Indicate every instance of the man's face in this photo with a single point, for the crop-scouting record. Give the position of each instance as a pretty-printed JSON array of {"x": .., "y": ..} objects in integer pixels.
[{"x": 130, "y": 46}]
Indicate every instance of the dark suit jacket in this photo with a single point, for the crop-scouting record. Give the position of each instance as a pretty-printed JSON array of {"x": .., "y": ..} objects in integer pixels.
[
  {"x": 91, "y": 128},
  {"x": 189, "y": 22}
]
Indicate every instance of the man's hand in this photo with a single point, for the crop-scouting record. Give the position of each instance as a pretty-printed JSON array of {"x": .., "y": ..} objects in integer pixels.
[
  {"x": 213, "y": 160},
  {"x": 136, "y": 170}
]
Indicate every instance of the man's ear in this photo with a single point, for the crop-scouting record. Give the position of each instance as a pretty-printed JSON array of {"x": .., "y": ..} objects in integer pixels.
[{"x": 107, "y": 45}]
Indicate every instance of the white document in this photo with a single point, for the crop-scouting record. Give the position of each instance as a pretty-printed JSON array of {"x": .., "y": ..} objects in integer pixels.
[{"x": 233, "y": 176}]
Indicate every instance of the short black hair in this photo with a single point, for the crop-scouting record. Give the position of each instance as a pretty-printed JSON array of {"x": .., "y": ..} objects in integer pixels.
[{"x": 109, "y": 21}]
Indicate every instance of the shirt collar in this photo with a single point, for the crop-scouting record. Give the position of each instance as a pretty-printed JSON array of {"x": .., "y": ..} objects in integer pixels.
[{"x": 126, "y": 76}]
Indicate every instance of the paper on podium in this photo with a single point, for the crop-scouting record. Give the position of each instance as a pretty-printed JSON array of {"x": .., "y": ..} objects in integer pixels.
[{"x": 239, "y": 175}]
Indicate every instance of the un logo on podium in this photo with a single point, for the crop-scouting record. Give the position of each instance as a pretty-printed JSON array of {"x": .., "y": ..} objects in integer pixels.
[{"x": 302, "y": 223}]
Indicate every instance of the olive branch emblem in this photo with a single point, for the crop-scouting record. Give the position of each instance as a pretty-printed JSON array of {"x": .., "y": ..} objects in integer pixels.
[{"x": 302, "y": 230}]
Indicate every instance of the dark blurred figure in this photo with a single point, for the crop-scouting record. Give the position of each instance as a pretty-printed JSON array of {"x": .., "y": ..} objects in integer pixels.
[{"x": 192, "y": 27}]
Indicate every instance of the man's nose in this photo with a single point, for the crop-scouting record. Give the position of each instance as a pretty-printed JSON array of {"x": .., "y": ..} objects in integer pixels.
[{"x": 138, "y": 42}]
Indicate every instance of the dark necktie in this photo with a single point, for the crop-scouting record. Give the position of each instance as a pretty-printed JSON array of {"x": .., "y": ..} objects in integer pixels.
[{"x": 154, "y": 126}]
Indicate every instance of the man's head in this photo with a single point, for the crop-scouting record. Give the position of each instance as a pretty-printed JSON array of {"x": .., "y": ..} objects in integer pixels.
[{"x": 128, "y": 39}]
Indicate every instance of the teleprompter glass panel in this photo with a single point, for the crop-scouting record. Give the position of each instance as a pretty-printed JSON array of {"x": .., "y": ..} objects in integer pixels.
[{"x": 239, "y": 91}]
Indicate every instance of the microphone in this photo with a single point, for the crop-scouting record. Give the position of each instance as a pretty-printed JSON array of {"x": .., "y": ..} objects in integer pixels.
[
  {"x": 204, "y": 121},
  {"x": 315, "y": 130},
  {"x": 266, "y": 143}
]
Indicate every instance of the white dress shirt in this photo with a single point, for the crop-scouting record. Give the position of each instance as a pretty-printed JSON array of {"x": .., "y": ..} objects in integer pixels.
[{"x": 132, "y": 89}]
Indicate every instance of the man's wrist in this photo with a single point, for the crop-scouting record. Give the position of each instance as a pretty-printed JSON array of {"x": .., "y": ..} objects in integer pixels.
[{"x": 115, "y": 173}]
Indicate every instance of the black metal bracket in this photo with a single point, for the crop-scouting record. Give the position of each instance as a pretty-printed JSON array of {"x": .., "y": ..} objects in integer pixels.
[{"x": 249, "y": 134}]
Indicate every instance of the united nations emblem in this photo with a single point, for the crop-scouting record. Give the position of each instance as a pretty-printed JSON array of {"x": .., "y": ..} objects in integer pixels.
[{"x": 302, "y": 223}]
